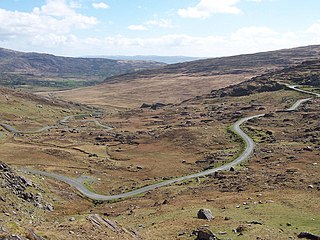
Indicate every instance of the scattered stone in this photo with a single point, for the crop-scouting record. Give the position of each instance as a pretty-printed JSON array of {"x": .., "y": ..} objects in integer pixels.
[
  {"x": 93, "y": 155},
  {"x": 205, "y": 214},
  {"x": 14, "y": 237},
  {"x": 145, "y": 105},
  {"x": 240, "y": 229},
  {"x": 308, "y": 236},
  {"x": 141, "y": 226},
  {"x": 308, "y": 148},
  {"x": 35, "y": 236},
  {"x": 72, "y": 219},
  {"x": 311, "y": 186},
  {"x": 157, "y": 105},
  {"x": 166, "y": 201},
  {"x": 254, "y": 222},
  {"x": 49, "y": 207},
  {"x": 204, "y": 234},
  {"x": 154, "y": 106}
]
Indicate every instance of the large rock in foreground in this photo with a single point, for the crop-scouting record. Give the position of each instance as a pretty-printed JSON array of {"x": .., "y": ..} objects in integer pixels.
[
  {"x": 204, "y": 234},
  {"x": 307, "y": 235},
  {"x": 205, "y": 214}
]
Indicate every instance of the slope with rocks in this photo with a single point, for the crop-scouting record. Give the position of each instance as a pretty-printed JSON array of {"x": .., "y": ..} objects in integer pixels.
[
  {"x": 307, "y": 73},
  {"x": 24, "y": 204}
]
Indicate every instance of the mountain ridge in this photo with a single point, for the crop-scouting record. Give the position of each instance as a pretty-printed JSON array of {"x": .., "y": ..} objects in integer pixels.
[{"x": 21, "y": 68}]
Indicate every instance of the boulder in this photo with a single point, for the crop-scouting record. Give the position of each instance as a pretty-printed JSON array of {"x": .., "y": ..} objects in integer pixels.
[
  {"x": 308, "y": 236},
  {"x": 145, "y": 105},
  {"x": 204, "y": 234},
  {"x": 205, "y": 214},
  {"x": 157, "y": 105}
]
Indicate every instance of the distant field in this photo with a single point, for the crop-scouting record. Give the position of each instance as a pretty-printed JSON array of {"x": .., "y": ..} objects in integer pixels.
[{"x": 163, "y": 88}]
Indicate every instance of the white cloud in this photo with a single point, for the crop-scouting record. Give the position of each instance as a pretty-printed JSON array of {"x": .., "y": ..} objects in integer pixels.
[
  {"x": 137, "y": 28},
  {"x": 100, "y": 5},
  {"x": 56, "y": 16},
  {"x": 314, "y": 28},
  {"x": 206, "y": 8},
  {"x": 245, "y": 40},
  {"x": 253, "y": 33},
  {"x": 57, "y": 8},
  {"x": 163, "y": 23}
]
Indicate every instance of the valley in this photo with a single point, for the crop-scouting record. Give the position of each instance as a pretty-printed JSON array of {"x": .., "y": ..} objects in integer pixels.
[{"x": 153, "y": 127}]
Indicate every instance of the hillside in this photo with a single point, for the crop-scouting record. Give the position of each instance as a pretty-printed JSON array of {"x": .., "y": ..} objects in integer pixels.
[
  {"x": 246, "y": 63},
  {"x": 307, "y": 73},
  {"x": 177, "y": 82},
  {"x": 18, "y": 68}
]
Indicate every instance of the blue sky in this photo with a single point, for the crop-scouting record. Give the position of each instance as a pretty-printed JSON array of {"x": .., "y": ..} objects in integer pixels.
[{"x": 207, "y": 28}]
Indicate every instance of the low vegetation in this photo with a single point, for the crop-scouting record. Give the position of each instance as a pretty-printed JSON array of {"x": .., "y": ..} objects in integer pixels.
[{"x": 274, "y": 195}]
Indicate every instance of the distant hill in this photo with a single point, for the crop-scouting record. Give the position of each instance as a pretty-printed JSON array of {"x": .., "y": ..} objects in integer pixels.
[
  {"x": 164, "y": 59},
  {"x": 306, "y": 73},
  {"x": 257, "y": 63},
  {"x": 177, "y": 82},
  {"x": 18, "y": 68}
]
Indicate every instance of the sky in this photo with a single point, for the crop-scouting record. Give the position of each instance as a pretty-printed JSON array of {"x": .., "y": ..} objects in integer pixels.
[{"x": 200, "y": 28}]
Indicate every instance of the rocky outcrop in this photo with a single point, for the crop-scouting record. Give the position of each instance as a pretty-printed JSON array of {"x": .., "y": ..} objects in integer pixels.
[
  {"x": 154, "y": 106},
  {"x": 19, "y": 186},
  {"x": 307, "y": 73},
  {"x": 254, "y": 85}
]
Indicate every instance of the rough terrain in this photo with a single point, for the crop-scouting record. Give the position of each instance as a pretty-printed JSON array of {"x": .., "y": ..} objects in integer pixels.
[{"x": 274, "y": 195}]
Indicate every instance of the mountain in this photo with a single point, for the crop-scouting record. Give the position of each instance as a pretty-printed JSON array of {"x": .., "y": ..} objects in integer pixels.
[
  {"x": 164, "y": 59},
  {"x": 177, "y": 82},
  {"x": 18, "y": 68}
]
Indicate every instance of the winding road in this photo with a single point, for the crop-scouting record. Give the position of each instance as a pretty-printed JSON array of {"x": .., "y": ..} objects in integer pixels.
[
  {"x": 249, "y": 147},
  {"x": 63, "y": 121}
]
